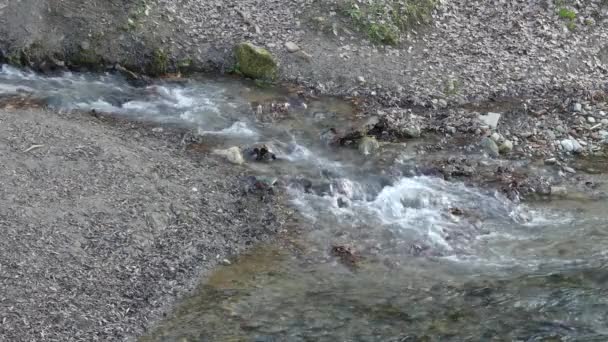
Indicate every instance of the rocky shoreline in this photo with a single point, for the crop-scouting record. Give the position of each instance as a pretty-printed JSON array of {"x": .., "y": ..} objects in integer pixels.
[{"x": 107, "y": 223}]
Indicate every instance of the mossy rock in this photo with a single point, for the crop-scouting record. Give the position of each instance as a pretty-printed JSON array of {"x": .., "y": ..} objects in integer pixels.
[
  {"x": 159, "y": 65},
  {"x": 255, "y": 62}
]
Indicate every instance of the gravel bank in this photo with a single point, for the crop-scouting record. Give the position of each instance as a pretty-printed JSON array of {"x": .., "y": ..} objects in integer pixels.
[{"x": 105, "y": 224}]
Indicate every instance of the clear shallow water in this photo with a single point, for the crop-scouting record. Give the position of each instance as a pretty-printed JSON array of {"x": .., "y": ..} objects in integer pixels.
[{"x": 499, "y": 272}]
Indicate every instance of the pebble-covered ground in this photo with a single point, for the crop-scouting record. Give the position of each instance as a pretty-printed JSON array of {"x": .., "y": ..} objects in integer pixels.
[{"x": 104, "y": 224}]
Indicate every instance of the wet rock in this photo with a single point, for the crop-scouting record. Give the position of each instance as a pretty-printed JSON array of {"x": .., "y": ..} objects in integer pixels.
[
  {"x": 232, "y": 154},
  {"x": 559, "y": 191},
  {"x": 550, "y": 161},
  {"x": 347, "y": 255},
  {"x": 256, "y": 62},
  {"x": 292, "y": 47},
  {"x": 303, "y": 184},
  {"x": 260, "y": 154},
  {"x": 343, "y": 186},
  {"x": 261, "y": 185},
  {"x": 456, "y": 211},
  {"x": 490, "y": 119},
  {"x": 412, "y": 132},
  {"x": 506, "y": 146},
  {"x": 368, "y": 145},
  {"x": 330, "y": 136},
  {"x": 490, "y": 147},
  {"x": 342, "y": 202}
]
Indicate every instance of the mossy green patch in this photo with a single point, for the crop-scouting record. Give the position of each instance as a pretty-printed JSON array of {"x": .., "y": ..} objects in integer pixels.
[
  {"x": 87, "y": 58},
  {"x": 159, "y": 64},
  {"x": 385, "y": 21},
  {"x": 255, "y": 62},
  {"x": 565, "y": 13}
]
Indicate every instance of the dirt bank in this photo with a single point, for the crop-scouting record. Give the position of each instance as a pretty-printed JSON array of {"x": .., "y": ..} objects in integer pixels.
[
  {"x": 105, "y": 223},
  {"x": 469, "y": 50}
]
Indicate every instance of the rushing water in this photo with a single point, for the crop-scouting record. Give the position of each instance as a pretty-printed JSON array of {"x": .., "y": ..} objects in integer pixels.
[{"x": 499, "y": 271}]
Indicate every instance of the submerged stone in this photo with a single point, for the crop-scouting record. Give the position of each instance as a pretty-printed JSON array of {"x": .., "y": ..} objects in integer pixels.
[
  {"x": 368, "y": 145},
  {"x": 255, "y": 62}
]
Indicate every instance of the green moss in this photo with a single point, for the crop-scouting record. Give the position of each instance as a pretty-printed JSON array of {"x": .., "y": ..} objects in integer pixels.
[
  {"x": 14, "y": 59},
  {"x": 451, "y": 87},
  {"x": 159, "y": 64},
  {"x": 565, "y": 13},
  {"x": 571, "y": 25},
  {"x": 383, "y": 33},
  {"x": 255, "y": 62},
  {"x": 385, "y": 21},
  {"x": 87, "y": 58}
]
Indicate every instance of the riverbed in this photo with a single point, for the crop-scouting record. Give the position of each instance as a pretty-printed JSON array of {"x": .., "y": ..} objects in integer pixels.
[{"x": 382, "y": 252}]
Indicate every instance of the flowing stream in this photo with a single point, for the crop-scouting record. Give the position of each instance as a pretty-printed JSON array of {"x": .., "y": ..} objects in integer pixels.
[{"x": 387, "y": 255}]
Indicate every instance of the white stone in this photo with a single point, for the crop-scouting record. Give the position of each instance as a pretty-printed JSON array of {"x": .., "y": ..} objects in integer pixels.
[
  {"x": 232, "y": 154},
  {"x": 567, "y": 145},
  {"x": 496, "y": 137},
  {"x": 506, "y": 147},
  {"x": 292, "y": 47},
  {"x": 591, "y": 119},
  {"x": 571, "y": 145},
  {"x": 577, "y": 107},
  {"x": 491, "y": 119}
]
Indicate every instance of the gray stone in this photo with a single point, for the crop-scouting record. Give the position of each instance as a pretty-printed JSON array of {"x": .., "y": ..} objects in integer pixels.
[
  {"x": 232, "y": 154},
  {"x": 490, "y": 147},
  {"x": 577, "y": 107},
  {"x": 591, "y": 119},
  {"x": 368, "y": 145},
  {"x": 569, "y": 169},
  {"x": 292, "y": 47},
  {"x": 442, "y": 103},
  {"x": 551, "y": 161},
  {"x": 490, "y": 119},
  {"x": 412, "y": 132},
  {"x": 604, "y": 136}
]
